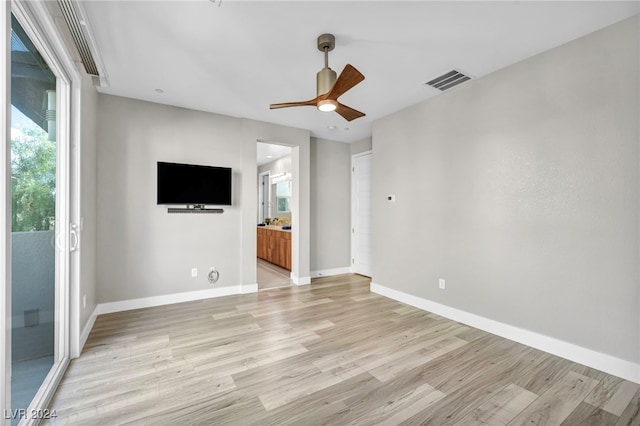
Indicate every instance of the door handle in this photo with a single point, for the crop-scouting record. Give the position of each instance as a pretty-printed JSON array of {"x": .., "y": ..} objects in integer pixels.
[{"x": 74, "y": 239}]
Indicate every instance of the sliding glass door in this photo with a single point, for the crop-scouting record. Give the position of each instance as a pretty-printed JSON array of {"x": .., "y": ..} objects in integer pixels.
[
  {"x": 39, "y": 237},
  {"x": 33, "y": 218}
]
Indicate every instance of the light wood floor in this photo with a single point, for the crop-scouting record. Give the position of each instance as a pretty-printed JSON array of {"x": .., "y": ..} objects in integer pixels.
[
  {"x": 271, "y": 276},
  {"x": 329, "y": 353}
]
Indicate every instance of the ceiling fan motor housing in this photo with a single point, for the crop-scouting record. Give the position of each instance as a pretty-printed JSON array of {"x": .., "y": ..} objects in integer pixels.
[{"x": 324, "y": 80}]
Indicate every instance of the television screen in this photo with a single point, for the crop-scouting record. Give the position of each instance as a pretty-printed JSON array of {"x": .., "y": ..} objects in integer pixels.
[{"x": 193, "y": 184}]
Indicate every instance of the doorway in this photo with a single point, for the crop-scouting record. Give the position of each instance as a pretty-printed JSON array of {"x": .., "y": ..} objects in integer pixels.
[
  {"x": 274, "y": 248},
  {"x": 361, "y": 252}
]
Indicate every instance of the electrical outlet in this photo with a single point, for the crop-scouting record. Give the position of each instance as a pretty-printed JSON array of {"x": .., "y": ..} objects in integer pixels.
[
  {"x": 441, "y": 284},
  {"x": 194, "y": 272}
]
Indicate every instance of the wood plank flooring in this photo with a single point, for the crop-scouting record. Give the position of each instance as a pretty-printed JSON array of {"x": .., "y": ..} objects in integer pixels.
[
  {"x": 272, "y": 276},
  {"x": 331, "y": 353}
]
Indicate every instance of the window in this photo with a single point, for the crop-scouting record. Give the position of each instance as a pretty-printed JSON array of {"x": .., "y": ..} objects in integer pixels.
[{"x": 283, "y": 196}]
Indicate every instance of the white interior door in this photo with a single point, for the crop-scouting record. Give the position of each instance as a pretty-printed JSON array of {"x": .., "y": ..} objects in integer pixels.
[{"x": 361, "y": 253}]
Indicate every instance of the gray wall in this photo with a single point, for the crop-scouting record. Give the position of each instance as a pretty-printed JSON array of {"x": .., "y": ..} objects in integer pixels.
[
  {"x": 330, "y": 204},
  {"x": 142, "y": 250},
  {"x": 361, "y": 146},
  {"x": 279, "y": 165},
  {"x": 521, "y": 190}
]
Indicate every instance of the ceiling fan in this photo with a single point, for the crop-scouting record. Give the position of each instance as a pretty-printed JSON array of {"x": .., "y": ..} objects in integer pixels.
[{"x": 329, "y": 89}]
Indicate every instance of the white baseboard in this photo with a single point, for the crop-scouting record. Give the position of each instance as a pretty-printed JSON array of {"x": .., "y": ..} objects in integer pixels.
[
  {"x": 301, "y": 280},
  {"x": 168, "y": 299},
  {"x": 249, "y": 288},
  {"x": 85, "y": 332},
  {"x": 603, "y": 362},
  {"x": 330, "y": 272}
]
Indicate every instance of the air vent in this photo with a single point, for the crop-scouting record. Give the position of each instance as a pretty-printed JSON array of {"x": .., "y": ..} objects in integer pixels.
[
  {"x": 448, "y": 80},
  {"x": 79, "y": 39}
]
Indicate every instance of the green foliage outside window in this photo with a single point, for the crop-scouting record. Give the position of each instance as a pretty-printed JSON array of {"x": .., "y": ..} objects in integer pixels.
[
  {"x": 33, "y": 180},
  {"x": 283, "y": 204},
  {"x": 283, "y": 195}
]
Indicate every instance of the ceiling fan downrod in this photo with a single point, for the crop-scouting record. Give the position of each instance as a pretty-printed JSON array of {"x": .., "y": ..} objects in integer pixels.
[{"x": 326, "y": 77}]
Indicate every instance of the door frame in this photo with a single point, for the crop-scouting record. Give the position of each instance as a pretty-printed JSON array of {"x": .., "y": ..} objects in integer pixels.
[
  {"x": 353, "y": 208},
  {"x": 37, "y": 22},
  {"x": 5, "y": 203},
  {"x": 299, "y": 204},
  {"x": 261, "y": 194}
]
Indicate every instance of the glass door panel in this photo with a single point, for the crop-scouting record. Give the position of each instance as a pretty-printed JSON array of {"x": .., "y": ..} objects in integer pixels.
[{"x": 33, "y": 218}]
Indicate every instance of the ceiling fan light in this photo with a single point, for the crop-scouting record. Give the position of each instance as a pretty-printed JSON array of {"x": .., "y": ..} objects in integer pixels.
[{"x": 327, "y": 105}]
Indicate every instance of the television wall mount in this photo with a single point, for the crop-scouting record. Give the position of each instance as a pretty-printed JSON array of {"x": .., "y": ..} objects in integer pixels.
[{"x": 194, "y": 208}]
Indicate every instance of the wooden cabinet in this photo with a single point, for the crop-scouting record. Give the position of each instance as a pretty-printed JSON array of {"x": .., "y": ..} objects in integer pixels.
[
  {"x": 262, "y": 243},
  {"x": 274, "y": 246},
  {"x": 284, "y": 251}
]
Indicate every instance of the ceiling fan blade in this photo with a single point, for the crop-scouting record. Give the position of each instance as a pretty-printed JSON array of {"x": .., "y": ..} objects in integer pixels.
[
  {"x": 348, "y": 113},
  {"x": 310, "y": 102},
  {"x": 348, "y": 78}
]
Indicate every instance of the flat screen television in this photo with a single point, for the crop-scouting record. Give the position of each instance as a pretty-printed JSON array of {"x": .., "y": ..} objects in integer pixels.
[{"x": 193, "y": 184}]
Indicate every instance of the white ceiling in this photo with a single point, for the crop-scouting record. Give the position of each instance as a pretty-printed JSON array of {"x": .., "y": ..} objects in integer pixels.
[
  {"x": 238, "y": 58},
  {"x": 268, "y": 152}
]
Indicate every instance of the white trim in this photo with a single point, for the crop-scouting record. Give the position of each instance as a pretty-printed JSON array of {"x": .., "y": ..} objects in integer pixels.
[
  {"x": 167, "y": 299},
  {"x": 300, "y": 152},
  {"x": 5, "y": 202},
  {"x": 330, "y": 272},
  {"x": 86, "y": 331},
  {"x": 603, "y": 362},
  {"x": 75, "y": 344},
  {"x": 362, "y": 154},
  {"x": 248, "y": 288},
  {"x": 261, "y": 176},
  {"x": 354, "y": 202},
  {"x": 300, "y": 280}
]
